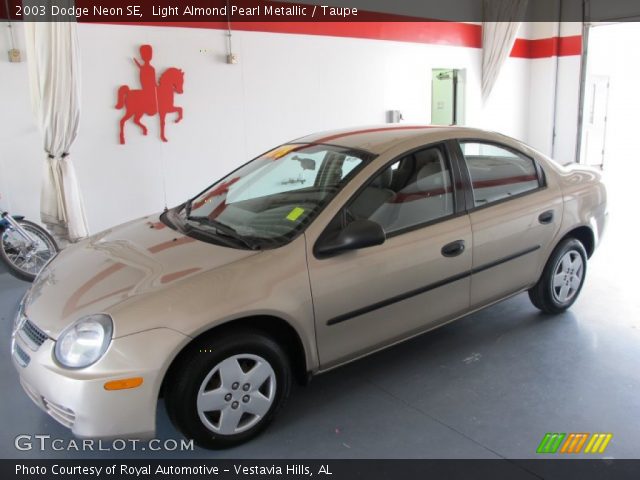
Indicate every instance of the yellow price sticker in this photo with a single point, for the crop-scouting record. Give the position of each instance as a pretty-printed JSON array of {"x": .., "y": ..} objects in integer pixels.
[
  {"x": 280, "y": 151},
  {"x": 295, "y": 213}
]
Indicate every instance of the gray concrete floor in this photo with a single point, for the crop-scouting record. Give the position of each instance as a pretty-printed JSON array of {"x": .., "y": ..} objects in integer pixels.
[{"x": 487, "y": 386}]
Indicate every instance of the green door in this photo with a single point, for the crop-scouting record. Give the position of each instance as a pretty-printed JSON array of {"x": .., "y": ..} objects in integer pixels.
[
  {"x": 442, "y": 107},
  {"x": 447, "y": 96}
]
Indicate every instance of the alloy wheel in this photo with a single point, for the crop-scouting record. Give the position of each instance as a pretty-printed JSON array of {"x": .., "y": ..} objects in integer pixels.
[
  {"x": 567, "y": 276},
  {"x": 236, "y": 394}
]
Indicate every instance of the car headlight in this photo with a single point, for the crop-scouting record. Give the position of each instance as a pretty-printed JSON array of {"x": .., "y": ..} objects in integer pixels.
[
  {"x": 17, "y": 322},
  {"x": 84, "y": 342}
]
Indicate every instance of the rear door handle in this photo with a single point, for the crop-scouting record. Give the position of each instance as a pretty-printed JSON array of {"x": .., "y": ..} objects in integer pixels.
[
  {"x": 546, "y": 217},
  {"x": 453, "y": 249}
]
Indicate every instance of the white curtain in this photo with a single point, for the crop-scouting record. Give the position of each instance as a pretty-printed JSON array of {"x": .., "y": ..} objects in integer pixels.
[
  {"x": 54, "y": 76},
  {"x": 498, "y": 37}
]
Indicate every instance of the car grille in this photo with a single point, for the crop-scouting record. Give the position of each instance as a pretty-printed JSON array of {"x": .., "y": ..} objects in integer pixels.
[
  {"x": 32, "y": 334},
  {"x": 21, "y": 356},
  {"x": 63, "y": 415}
]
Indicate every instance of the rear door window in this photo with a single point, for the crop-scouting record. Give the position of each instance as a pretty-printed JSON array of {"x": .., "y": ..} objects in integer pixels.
[{"x": 498, "y": 173}]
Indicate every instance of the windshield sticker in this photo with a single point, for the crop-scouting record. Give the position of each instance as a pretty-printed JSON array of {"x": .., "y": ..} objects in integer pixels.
[
  {"x": 280, "y": 151},
  {"x": 295, "y": 213}
]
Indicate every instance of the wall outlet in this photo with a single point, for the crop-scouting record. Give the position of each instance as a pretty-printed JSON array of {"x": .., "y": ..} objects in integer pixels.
[
  {"x": 15, "y": 56},
  {"x": 232, "y": 59}
]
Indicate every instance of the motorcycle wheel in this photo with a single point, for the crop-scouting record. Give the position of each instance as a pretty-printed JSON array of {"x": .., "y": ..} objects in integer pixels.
[{"x": 22, "y": 263}]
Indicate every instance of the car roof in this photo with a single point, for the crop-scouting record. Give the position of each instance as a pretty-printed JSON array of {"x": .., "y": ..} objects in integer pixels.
[{"x": 379, "y": 138}]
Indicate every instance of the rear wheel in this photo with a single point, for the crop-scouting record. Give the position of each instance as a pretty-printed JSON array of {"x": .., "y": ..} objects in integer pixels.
[
  {"x": 562, "y": 278},
  {"x": 226, "y": 390},
  {"x": 26, "y": 260}
]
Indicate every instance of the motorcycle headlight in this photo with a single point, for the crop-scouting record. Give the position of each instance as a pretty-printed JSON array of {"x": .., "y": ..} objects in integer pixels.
[{"x": 85, "y": 341}]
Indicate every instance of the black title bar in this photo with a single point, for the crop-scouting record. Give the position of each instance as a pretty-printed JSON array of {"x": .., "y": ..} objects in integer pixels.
[
  {"x": 320, "y": 469},
  {"x": 166, "y": 11}
]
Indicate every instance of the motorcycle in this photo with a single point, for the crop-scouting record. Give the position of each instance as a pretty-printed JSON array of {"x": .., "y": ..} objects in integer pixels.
[{"x": 25, "y": 247}]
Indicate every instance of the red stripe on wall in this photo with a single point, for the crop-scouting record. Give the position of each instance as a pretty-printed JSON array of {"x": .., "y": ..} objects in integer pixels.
[
  {"x": 438, "y": 33},
  {"x": 497, "y": 182},
  {"x": 547, "y": 47},
  {"x": 434, "y": 33}
]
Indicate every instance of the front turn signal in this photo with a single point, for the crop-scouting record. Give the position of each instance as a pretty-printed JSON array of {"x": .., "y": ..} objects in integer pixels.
[{"x": 123, "y": 384}]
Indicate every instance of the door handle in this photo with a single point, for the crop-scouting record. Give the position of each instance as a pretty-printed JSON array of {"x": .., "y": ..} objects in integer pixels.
[
  {"x": 546, "y": 217},
  {"x": 453, "y": 249}
]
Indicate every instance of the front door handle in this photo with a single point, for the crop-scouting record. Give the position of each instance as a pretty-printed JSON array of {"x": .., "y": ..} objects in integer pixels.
[
  {"x": 453, "y": 249},
  {"x": 546, "y": 217}
]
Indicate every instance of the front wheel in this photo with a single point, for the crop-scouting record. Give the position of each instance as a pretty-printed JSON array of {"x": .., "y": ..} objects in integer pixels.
[
  {"x": 562, "y": 278},
  {"x": 224, "y": 391}
]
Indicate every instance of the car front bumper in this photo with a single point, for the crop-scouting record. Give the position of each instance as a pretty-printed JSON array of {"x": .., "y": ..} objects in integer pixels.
[{"x": 78, "y": 399}]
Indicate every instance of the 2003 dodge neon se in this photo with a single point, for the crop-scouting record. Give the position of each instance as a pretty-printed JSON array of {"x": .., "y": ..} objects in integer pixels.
[{"x": 316, "y": 253}]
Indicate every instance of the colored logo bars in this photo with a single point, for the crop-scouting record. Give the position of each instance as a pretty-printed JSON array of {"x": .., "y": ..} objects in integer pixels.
[{"x": 574, "y": 442}]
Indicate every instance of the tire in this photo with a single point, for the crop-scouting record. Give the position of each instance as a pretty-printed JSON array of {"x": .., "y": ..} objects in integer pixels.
[
  {"x": 562, "y": 278},
  {"x": 206, "y": 395},
  {"x": 45, "y": 239}
]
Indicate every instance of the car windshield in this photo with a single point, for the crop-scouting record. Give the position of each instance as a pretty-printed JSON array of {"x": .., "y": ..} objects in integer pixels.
[{"x": 270, "y": 199}]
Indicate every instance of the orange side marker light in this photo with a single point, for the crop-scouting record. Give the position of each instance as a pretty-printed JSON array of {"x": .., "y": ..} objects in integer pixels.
[{"x": 123, "y": 384}]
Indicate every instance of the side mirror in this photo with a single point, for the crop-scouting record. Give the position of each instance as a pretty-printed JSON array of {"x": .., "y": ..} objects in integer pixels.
[{"x": 358, "y": 234}]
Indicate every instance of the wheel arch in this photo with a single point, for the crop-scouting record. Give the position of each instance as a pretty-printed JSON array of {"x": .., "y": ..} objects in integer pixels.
[
  {"x": 274, "y": 327},
  {"x": 584, "y": 235}
]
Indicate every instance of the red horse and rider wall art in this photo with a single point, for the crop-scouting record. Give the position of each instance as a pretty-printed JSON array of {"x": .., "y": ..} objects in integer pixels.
[{"x": 153, "y": 98}]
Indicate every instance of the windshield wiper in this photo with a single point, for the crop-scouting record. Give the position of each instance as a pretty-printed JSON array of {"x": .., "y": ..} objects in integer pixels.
[{"x": 225, "y": 230}]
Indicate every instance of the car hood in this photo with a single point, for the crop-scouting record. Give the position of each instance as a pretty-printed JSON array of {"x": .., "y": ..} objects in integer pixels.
[{"x": 108, "y": 268}]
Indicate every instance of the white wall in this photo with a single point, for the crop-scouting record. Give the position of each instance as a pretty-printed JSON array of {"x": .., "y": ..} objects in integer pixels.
[
  {"x": 566, "y": 117},
  {"x": 554, "y": 93},
  {"x": 21, "y": 155},
  {"x": 567, "y": 101},
  {"x": 284, "y": 86}
]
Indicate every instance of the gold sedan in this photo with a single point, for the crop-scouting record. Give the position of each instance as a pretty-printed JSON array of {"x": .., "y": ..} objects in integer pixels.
[{"x": 314, "y": 254}]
